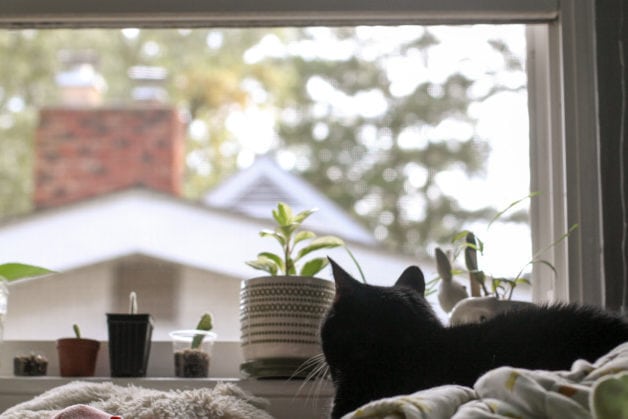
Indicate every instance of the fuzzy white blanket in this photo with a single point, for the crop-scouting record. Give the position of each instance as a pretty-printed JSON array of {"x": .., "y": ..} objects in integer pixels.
[
  {"x": 225, "y": 401},
  {"x": 589, "y": 390}
]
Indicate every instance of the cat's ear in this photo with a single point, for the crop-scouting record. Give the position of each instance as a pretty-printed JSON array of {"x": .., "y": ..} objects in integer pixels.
[
  {"x": 345, "y": 283},
  {"x": 412, "y": 278}
]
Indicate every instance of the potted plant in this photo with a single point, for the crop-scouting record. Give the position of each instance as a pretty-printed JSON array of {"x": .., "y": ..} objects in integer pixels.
[
  {"x": 193, "y": 349},
  {"x": 30, "y": 365},
  {"x": 129, "y": 341},
  {"x": 482, "y": 304},
  {"x": 77, "y": 355},
  {"x": 489, "y": 295},
  {"x": 280, "y": 313}
]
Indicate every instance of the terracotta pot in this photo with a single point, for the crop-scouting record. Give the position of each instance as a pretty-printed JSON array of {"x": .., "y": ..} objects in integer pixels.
[
  {"x": 77, "y": 357},
  {"x": 280, "y": 319}
]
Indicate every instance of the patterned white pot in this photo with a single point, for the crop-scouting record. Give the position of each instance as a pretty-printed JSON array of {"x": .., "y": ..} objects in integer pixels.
[{"x": 280, "y": 318}]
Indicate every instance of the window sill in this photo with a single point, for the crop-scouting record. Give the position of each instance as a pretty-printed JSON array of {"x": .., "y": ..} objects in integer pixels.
[{"x": 287, "y": 397}]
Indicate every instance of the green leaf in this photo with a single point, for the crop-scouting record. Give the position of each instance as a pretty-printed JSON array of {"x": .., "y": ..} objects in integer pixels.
[
  {"x": 314, "y": 266},
  {"x": 275, "y": 258},
  {"x": 12, "y": 271},
  {"x": 512, "y": 204},
  {"x": 304, "y": 235},
  {"x": 459, "y": 236},
  {"x": 277, "y": 236},
  {"x": 206, "y": 324},
  {"x": 555, "y": 242},
  {"x": 546, "y": 263},
  {"x": 300, "y": 217},
  {"x": 283, "y": 214},
  {"x": 264, "y": 264},
  {"x": 287, "y": 230},
  {"x": 355, "y": 262},
  {"x": 325, "y": 242}
]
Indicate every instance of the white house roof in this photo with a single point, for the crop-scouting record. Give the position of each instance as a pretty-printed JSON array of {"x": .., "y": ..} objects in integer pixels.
[
  {"x": 161, "y": 226},
  {"x": 256, "y": 190}
]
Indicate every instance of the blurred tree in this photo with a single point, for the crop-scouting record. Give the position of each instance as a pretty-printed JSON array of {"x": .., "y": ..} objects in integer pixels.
[
  {"x": 349, "y": 125},
  {"x": 373, "y": 150}
]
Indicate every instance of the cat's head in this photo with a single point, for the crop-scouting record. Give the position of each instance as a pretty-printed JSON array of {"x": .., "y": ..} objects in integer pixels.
[{"x": 370, "y": 326}]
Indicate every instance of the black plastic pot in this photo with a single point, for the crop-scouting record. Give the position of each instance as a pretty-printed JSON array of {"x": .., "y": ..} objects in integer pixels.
[{"x": 129, "y": 343}]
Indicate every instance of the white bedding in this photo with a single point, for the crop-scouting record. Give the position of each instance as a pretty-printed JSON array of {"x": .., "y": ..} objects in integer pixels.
[{"x": 598, "y": 390}]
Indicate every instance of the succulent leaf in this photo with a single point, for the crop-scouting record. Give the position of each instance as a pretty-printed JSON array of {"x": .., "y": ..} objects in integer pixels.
[
  {"x": 77, "y": 331},
  {"x": 206, "y": 324}
]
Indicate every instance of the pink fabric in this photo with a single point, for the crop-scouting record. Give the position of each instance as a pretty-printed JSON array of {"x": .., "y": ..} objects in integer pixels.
[{"x": 81, "y": 411}]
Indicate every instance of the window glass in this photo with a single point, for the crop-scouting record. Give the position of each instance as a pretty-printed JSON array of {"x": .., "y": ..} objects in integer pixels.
[{"x": 410, "y": 133}]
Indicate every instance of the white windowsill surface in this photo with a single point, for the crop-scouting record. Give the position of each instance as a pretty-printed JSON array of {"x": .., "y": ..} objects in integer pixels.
[{"x": 287, "y": 397}]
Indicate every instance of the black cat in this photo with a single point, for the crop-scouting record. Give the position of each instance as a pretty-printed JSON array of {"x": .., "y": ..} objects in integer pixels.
[{"x": 386, "y": 341}]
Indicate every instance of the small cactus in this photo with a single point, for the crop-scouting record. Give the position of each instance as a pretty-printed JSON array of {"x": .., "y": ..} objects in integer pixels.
[
  {"x": 77, "y": 331},
  {"x": 206, "y": 324},
  {"x": 133, "y": 303}
]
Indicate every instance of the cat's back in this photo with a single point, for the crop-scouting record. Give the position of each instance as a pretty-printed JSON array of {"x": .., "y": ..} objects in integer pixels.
[{"x": 545, "y": 337}]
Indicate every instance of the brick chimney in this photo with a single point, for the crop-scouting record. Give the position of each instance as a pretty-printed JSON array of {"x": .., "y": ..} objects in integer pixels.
[
  {"x": 84, "y": 149},
  {"x": 82, "y": 153}
]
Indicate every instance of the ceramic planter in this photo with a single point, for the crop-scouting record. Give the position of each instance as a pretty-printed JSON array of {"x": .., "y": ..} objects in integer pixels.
[
  {"x": 129, "y": 343},
  {"x": 280, "y": 318},
  {"x": 77, "y": 357}
]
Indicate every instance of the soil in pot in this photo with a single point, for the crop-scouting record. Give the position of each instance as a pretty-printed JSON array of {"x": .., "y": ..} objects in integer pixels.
[
  {"x": 30, "y": 365},
  {"x": 191, "y": 363},
  {"x": 129, "y": 343}
]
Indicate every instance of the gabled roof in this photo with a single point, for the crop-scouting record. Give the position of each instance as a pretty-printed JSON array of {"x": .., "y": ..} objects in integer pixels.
[
  {"x": 141, "y": 221},
  {"x": 256, "y": 190}
]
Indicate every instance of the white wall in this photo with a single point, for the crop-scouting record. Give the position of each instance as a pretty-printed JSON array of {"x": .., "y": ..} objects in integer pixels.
[{"x": 45, "y": 308}]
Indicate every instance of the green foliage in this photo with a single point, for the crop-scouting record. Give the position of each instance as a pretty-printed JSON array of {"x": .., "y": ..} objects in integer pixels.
[
  {"x": 206, "y": 324},
  {"x": 288, "y": 235},
  {"x": 468, "y": 243},
  {"x": 12, "y": 271}
]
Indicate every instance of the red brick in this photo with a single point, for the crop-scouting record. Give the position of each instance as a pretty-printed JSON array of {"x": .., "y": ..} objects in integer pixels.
[{"x": 81, "y": 153}]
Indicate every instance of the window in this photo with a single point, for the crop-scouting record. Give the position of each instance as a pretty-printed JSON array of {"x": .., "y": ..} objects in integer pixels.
[
  {"x": 396, "y": 125},
  {"x": 564, "y": 133}
]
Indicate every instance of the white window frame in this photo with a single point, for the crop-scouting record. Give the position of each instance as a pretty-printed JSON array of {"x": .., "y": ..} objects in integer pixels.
[{"x": 563, "y": 109}]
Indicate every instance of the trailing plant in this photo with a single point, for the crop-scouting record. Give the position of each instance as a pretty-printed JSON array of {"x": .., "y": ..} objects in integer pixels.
[
  {"x": 296, "y": 243},
  {"x": 501, "y": 287}
]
